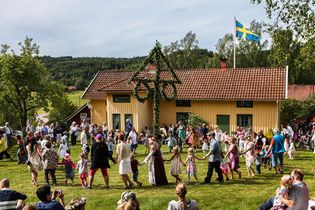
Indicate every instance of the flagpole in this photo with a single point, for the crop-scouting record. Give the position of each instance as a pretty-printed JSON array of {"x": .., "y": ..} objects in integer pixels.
[{"x": 234, "y": 38}]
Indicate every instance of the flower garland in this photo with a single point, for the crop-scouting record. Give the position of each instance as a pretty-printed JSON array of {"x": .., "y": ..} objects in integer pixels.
[{"x": 157, "y": 90}]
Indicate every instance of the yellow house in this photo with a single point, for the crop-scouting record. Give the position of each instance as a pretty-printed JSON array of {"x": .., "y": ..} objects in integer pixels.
[{"x": 225, "y": 97}]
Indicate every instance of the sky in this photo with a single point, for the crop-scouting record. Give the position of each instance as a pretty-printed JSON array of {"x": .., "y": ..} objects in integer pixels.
[{"x": 113, "y": 28}]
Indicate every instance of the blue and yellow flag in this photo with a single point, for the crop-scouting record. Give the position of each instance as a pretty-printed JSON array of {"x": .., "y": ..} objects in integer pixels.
[{"x": 243, "y": 33}]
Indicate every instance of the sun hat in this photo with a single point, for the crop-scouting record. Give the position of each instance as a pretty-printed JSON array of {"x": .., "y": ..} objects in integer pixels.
[
  {"x": 98, "y": 136},
  {"x": 67, "y": 156}
]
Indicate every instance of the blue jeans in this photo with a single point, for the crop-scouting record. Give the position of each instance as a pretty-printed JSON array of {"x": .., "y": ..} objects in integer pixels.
[
  {"x": 275, "y": 157},
  {"x": 267, "y": 205}
]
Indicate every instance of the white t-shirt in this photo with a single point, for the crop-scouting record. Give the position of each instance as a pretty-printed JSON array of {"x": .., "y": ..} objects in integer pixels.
[
  {"x": 84, "y": 138},
  {"x": 133, "y": 136}
]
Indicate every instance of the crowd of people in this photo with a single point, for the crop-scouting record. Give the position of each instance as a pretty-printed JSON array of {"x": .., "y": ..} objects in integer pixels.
[{"x": 98, "y": 144}]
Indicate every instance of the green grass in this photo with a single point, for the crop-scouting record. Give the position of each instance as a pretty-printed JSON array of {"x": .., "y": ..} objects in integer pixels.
[
  {"x": 75, "y": 98},
  {"x": 245, "y": 193}
]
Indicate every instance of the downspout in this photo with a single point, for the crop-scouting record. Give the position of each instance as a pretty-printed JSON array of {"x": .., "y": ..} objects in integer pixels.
[
  {"x": 286, "y": 81},
  {"x": 277, "y": 114}
]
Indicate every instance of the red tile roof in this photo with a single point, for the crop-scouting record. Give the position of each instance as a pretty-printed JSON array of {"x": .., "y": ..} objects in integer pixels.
[
  {"x": 258, "y": 84},
  {"x": 300, "y": 92}
]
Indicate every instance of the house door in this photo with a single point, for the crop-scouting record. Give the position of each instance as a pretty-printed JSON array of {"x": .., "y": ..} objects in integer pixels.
[{"x": 223, "y": 121}]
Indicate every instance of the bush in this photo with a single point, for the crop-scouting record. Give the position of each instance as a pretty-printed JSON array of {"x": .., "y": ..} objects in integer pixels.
[{"x": 194, "y": 120}]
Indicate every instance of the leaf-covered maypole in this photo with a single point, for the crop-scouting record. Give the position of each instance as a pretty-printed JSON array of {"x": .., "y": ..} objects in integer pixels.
[{"x": 155, "y": 85}]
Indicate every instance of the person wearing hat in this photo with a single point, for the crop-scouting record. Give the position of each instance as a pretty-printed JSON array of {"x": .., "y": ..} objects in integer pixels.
[
  {"x": 99, "y": 159},
  {"x": 215, "y": 157},
  {"x": 128, "y": 200},
  {"x": 76, "y": 204},
  {"x": 69, "y": 168}
]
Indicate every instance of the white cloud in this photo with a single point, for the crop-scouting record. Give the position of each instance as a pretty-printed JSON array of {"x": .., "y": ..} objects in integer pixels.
[{"x": 118, "y": 28}]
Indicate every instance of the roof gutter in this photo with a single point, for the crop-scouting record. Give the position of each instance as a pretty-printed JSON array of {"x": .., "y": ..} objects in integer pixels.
[{"x": 286, "y": 81}]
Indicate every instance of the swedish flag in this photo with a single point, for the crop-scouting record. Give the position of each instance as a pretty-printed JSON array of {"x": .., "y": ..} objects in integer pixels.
[{"x": 243, "y": 33}]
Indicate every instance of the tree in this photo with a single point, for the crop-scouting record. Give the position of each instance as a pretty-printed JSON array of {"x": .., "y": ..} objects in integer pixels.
[
  {"x": 308, "y": 108},
  {"x": 24, "y": 83},
  {"x": 297, "y": 15},
  {"x": 61, "y": 107},
  {"x": 283, "y": 52},
  {"x": 185, "y": 53},
  {"x": 154, "y": 84},
  {"x": 290, "y": 109}
]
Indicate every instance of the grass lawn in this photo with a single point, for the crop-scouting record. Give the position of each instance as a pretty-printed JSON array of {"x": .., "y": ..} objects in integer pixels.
[
  {"x": 246, "y": 193},
  {"x": 75, "y": 98}
]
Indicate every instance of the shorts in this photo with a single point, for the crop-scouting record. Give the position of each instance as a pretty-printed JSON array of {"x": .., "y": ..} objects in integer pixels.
[
  {"x": 135, "y": 176},
  {"x": 133, "y": 146},
  {"x": 93, "y": 171},
  {"x": 83, "y": 176},
  {"x": 275, "y": 157}
]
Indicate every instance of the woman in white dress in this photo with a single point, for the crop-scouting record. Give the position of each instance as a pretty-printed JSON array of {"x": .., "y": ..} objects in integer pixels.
[
  {"x": 34, "y": 159},
  {"x": 123, "y": 157}
]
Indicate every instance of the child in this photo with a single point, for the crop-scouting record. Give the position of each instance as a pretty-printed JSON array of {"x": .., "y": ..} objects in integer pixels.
[
  {"x": 205, "y": 145},
  {"x": 82, "y": 166},
  {"x": 291, "y": 150},
  {"x": 285, "y": 185},
  {"x": 135, "y": 171},
  {"x": 249, "y": 155},
  {"x": 111, "y": 147},
  {"x": 62, "y": 148},
  {"x": 65, "y": 137},
  {"x": 86, "y": 150},
  {"x": 69, "y": 168},
  {"x": 266, "y": 158},
  {"x": 21, "y": 153},
  {"x": 258, "y": 160},
  {"x": 176, "y": 160},
  {"x": 191, "y": 167},
  {"x": 171, "y": 142}
]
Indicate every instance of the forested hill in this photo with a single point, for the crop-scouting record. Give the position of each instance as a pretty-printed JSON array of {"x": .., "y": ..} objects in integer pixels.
[{"x": 79, "y": 71}]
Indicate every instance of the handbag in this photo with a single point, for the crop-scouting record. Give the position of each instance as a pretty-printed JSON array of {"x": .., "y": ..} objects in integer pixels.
[{"x": 223, "y": 167}]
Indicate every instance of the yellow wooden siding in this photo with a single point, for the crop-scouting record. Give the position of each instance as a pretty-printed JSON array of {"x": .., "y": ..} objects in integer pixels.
[
  {"x": 144, "y": 115},
  {"x": 98, "y": 111},
  {"x": 264, "y": 113},
  {"x": 140, "y": 112}
]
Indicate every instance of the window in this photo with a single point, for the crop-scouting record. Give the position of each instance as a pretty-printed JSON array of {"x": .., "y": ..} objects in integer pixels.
[
  {"x": 121, "y": 98},
  {"x": 116, "y": 122},
  {"x": 244, "y": 103},
  {"x": 183, "y": 103},
  {"x": 128, "y": 117},
  {"x": 83, "y": 115},
  {"x": 182, "y": 116},
  {"x": 245, "y": 120},
  {"x": 223, "y": 121}
]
